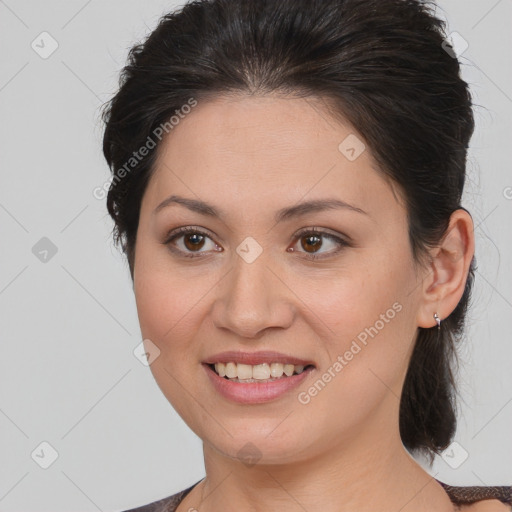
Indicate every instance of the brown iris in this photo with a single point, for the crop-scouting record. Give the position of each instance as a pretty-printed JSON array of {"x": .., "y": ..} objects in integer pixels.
[
  {"x": 315, "y": 245},
  {"x": 196, "y": 241}
]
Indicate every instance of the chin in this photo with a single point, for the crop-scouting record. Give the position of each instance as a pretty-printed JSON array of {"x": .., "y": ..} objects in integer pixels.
[{"x": 258, "y": 446}]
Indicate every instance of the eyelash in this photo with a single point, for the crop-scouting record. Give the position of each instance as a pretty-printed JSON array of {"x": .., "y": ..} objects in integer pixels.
[{"x": 173, "y": 235}]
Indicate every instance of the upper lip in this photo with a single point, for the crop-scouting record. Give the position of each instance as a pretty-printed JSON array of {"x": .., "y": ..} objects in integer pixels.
[{"x": 253, "y": 358}]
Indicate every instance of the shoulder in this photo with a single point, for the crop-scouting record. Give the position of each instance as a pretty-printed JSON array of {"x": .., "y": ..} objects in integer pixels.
[
  {"x": 169, "y": 504},
  {"x": 469, "y": 499},
  {"x": 486, "y": 506},
  {"x": 480, "y": 498}
]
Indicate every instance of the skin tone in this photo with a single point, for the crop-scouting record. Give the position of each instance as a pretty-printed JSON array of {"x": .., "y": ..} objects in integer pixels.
[{"x": 250, "y": 156}]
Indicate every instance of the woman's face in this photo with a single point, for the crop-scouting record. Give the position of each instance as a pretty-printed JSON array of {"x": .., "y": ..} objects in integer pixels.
[{"x": 352, "y": 312}]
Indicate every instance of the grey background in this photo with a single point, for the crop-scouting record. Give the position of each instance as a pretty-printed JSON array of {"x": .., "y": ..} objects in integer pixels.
[{"x": 69, "y": 324}]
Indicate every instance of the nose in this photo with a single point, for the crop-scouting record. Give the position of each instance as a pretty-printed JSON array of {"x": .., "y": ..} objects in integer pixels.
[{"x": 252, "y": 298}]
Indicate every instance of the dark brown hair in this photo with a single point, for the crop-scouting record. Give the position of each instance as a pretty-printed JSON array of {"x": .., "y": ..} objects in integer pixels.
[{"x": 382, "y": 65}]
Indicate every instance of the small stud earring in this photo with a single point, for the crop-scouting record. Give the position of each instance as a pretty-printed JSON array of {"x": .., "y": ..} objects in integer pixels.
[{"x": 438, "y": 320}]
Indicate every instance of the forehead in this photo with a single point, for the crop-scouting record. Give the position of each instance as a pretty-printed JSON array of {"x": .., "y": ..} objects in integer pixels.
[
  {"x": 256, "y": 128},
  {"x": 274, "y": 149}
]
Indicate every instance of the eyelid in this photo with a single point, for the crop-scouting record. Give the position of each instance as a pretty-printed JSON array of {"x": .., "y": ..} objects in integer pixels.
[
  {"x": 184, "y": 230},
  {"x": 342, "y": 240},
  {"x": 323, "y": 231},
  {"x": 174, "y": 233}
]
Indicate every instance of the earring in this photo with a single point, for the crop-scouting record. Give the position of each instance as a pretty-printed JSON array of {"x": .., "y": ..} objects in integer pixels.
[{"x": 438, "y": 320}]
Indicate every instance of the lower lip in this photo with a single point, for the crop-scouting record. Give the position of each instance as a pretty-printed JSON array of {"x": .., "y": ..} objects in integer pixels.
[{"x": 254, "y": 392}]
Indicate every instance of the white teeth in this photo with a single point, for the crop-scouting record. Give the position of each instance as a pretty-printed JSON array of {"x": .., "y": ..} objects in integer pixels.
[
  {"x": 276, "y": 370},
  {"x": 262, "y": 371},
  {"x": 231, "y": 371},
  {"x": 244, "y": 371},
  {"x": 220, "y": 368},
  {"x": 288, "y": 369}
]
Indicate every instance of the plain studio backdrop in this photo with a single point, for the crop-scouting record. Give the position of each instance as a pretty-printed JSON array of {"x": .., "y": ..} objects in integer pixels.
[{"x": 83, "y": 424}]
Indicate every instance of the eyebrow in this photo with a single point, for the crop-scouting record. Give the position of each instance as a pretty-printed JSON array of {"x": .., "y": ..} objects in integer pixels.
[{"x": 287, "y": 213}]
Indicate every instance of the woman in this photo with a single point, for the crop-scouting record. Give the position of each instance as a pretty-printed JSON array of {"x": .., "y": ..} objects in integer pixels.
[{"x": 287, "y": 182}]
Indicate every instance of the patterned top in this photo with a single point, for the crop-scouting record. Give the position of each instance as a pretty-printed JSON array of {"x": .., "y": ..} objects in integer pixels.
[{"x": 458, "y": 495}]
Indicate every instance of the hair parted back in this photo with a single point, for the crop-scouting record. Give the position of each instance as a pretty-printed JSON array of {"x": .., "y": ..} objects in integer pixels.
[{"x": 380, "y": 65}]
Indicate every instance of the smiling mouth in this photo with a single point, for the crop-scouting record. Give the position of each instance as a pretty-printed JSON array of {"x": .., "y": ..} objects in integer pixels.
[{"x": 261, "y": 373}]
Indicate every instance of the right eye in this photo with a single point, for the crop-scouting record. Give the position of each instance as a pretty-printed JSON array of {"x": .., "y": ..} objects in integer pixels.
[{"x": 193, "y": 239}]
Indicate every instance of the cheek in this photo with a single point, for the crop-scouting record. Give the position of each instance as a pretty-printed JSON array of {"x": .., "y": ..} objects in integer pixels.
[
  {"x": 168, "y": 314},
  {"x": 366, "y": 356},
  {"x": 349, "y": 299},
  {"x": 168, "y": 308},
  {"x": 167, "y": 298},
  {"x": 365, "y": 316}
]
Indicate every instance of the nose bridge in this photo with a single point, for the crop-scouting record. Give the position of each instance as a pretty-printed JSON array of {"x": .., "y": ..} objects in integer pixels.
[{"x": 251, "y": 298}]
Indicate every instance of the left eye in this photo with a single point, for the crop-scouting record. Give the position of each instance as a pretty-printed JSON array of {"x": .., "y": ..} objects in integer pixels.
[
  {"x": 193, "y": 239},
  {"x": 312, "y": 239}
]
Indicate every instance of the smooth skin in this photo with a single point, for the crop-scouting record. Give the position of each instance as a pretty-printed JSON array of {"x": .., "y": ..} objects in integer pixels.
[{"x": 250, "y": 156}]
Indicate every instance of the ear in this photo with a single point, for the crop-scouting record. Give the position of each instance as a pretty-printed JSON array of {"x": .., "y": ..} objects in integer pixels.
[{"x": 445, "y": 278}]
